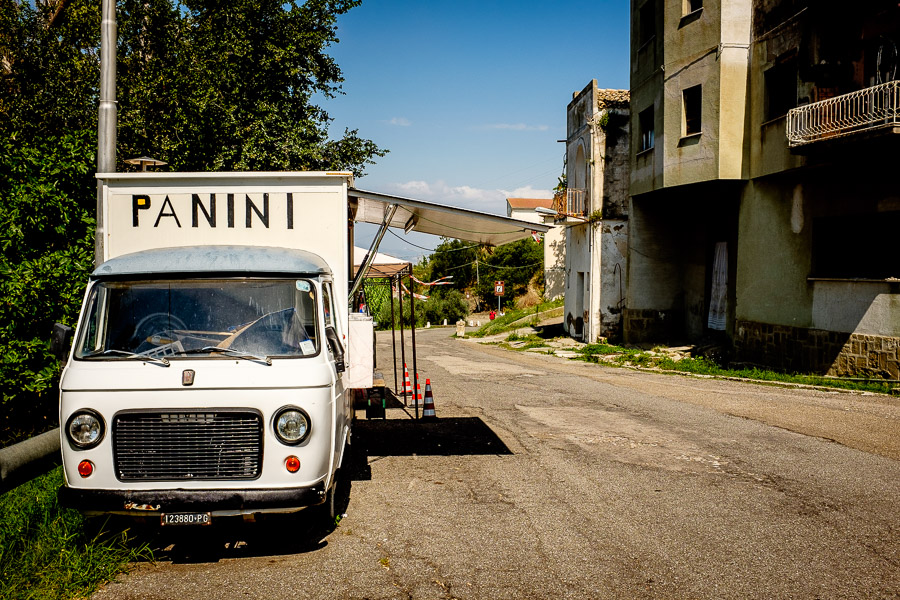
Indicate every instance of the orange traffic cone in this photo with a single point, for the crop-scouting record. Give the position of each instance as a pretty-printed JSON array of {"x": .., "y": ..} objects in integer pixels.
[
  {"x": 417, "y": 396},
  {"x": 428, "y": 412},
  {"x": 407, "y": 386}
]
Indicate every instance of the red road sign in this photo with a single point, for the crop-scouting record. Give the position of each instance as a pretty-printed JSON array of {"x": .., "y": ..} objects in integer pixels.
[{"x": 498, "y": 288}]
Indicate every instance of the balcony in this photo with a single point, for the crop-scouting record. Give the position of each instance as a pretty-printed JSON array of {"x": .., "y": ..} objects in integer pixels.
[
  {"x": 571, "y": 203},
  {"x": 873, "y": 108}
]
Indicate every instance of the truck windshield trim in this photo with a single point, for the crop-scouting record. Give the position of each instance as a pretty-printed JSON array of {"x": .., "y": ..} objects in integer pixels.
[{"x": 171, "y": 319}]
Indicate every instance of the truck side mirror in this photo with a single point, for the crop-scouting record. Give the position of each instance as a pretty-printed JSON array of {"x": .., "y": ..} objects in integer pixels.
[
  {"x": 335, "y": 344},
  {"x": 60, "y": 339}
]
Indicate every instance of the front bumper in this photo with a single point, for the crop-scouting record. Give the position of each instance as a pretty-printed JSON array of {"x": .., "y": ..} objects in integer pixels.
[{"x": 150, "y": 502}]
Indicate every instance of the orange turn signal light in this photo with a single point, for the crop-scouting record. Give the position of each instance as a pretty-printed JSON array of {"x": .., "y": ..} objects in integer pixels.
[
  {"x": 85, "y": 468},
  {"x": 292, "y": 464}
]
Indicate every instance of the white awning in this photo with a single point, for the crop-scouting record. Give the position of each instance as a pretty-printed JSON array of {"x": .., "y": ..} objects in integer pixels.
[
  {"x": 384, "y": 265},
  {"x": 439, "y": 219}
]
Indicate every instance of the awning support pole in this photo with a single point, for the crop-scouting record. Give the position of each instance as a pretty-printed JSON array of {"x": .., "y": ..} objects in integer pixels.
[
  {"x": 393, "y": 327},
  {"x": 412, "y": 329},
  {"x": 402, "y": 341}
]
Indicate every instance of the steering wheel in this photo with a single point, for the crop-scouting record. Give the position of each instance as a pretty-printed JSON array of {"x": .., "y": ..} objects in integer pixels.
[{"x": 155, "y": 322}]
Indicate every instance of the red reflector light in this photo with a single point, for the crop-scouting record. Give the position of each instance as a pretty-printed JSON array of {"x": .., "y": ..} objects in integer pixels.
[
  {"x": 85, "y": 468},
  {"x": 292, "y": 464}
]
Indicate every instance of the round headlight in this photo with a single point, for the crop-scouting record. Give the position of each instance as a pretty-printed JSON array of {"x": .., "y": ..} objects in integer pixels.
[
  {"x": 291, "y": 425},
  {"x": 85, "y": 429}
]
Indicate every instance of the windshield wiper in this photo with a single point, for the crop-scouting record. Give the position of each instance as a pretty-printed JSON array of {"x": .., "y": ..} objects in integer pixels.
[
  {"x": 127, "y": 354},
  {"x": 230, "y": 352}
]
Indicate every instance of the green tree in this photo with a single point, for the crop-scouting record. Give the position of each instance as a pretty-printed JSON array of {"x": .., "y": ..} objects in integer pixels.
[
  {"x": 203, "y": 85},
  {"x": 516, "y": 264},
  {"x": 216, "y": 85},
  {"x": 456, "y": 258}
]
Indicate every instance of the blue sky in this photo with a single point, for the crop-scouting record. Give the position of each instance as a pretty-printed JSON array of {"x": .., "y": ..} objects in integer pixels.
[{"x": 470, "y": 97}]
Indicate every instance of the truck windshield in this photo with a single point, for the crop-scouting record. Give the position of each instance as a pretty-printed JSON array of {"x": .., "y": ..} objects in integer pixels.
[{"x": 200, "y": 318}]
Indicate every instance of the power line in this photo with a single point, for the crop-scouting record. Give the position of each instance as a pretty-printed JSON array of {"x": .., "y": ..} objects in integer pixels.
[{"x": 429, "y": 249}]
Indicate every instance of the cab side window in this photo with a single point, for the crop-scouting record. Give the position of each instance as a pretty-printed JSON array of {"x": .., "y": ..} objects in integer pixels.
[{"x": 328, "y": 305}]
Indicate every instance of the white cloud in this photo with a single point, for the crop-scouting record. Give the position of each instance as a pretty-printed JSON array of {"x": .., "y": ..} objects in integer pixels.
[
  {"x": 516, "y": 127},
  {"x": 399, "y": 122},
  {"x": 464, "y": 196},
  {"x": 528, "y": 192}
]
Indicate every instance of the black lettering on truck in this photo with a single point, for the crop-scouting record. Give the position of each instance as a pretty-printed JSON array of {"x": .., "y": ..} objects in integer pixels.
[
  {"x": 163, "y": 213},
  {"x": 138, "y": 202},
  {"x": 263, "y": 216},
  {"x": 197, "y": 203}
]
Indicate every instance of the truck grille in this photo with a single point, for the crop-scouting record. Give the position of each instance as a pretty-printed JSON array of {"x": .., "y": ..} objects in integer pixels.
[{"x": 187, "y": 445}]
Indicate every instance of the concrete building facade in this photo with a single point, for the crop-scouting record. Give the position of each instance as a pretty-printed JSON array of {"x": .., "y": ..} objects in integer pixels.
[
  {"x": 762, "y": 213},
  {"x": 594, "y": 210}
]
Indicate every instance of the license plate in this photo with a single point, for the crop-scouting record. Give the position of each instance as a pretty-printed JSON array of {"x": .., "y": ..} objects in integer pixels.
[{"x": 186, "y": 518}]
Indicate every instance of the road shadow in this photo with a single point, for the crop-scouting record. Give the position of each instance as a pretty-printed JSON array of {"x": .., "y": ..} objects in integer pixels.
[
  {"x": 550, "y": 329},
  {"x": 308, "y": 530},
  {"x": 448, "y": 436}
]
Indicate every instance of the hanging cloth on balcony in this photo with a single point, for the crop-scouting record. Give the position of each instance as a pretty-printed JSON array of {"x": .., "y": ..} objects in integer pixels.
[{"x": 717, "y": 301}]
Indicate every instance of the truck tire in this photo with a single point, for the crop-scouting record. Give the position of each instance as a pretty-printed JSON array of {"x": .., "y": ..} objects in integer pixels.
[{"x": 328, "y": 509}]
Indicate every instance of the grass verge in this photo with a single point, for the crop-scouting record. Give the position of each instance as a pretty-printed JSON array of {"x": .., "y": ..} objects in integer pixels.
[
  {"x": 47, "y": 551},
  {"x": 505, "y": 323},
  {"x": 619, "y": 355}
]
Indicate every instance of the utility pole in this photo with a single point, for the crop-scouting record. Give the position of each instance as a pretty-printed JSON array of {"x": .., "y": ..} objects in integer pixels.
[{"x": 106, "y": 117}]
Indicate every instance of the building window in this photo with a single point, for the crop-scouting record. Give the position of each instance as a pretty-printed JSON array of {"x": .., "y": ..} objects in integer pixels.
[
  {"x": 646, "y": 124},
  {"x": 877, "y": 259},
  {"x": 692, "y": 5},
  {"x": 692, "y": 99},
  {"x": 781, "y": 89},
  {"x": 646, "y": 22}
]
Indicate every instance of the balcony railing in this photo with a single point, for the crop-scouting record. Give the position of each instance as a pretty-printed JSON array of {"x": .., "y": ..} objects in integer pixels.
[
  {"x": 571, "y": 203},
  {"x": 871, "y": 108}
]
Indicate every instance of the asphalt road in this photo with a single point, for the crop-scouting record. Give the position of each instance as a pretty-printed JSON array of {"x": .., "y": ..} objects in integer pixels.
[{"x": 547, "y": 478}]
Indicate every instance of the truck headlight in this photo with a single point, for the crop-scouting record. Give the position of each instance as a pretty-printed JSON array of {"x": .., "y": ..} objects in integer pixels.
[
  {"x": 291, "y": 425},
  {"x": 85, "y": 429}
]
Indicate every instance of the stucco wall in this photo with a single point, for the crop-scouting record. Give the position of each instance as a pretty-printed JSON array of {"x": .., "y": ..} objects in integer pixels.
[
  {"x": 861, "y": 307},
  {"x": 554, "y": 263},
  {"x": 613, "y": 251},
  {"x": 774, "y": 241},
  {"x": 578, "y": 260}
]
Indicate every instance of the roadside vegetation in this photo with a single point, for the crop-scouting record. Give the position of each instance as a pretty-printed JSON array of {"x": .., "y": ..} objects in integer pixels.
[
  {"x": 50, "y": 552},
  {"x": 662, "y": 360},
  {"x": 515, "y": 318},
  {"x": 459, "y": 279}
]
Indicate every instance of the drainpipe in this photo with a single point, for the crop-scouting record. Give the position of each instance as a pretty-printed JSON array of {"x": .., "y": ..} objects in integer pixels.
[{"x": 106, "y": 117}]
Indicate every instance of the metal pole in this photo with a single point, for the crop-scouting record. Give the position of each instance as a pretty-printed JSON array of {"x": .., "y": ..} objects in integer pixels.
[
  {"x": 106, "y": 116},
  {"x": 402, "y": 342},
  {"x": 393, "y": 327},
  {"x": 412, "y": 330}
]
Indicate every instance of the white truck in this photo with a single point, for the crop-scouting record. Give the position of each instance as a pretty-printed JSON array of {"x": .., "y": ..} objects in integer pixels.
[{"x": 208, "y": 376}]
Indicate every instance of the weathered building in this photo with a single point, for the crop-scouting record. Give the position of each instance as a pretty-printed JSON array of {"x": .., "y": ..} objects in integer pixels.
[
  {"x": 554, "y": 241},
  {"x": 594, "y": 209},
  {"x": 762, "y": 133}
]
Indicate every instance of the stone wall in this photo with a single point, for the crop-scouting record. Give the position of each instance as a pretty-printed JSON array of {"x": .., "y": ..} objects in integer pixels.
[
  {"x": 647, "y": 325},
  {"x": 817, "y": 351}
]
